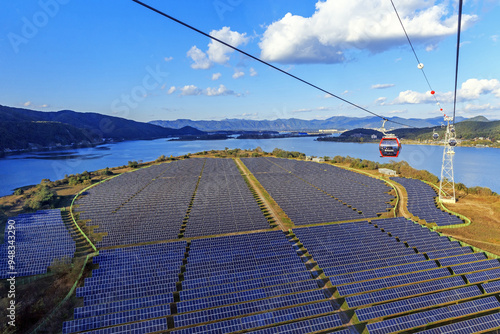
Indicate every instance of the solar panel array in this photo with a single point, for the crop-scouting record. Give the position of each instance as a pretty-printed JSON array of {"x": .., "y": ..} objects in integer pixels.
[
  {"x": 366, "y": 194},
  {"x": 40, "y": 238},
  {"x": 132, "y": 285},
  {"x": 421, "y": 203},
  {"x": 257, "y": 277},
  {"x": 438, "y": 314},
  {"x": 142, "y": 206},
  {"x": 392, "y": 290},
  {"x": 393, "y": 274},
  {"x": 317, "y": 193},
  {"x": 212, "y": 285},
  {"x": 223, "y": 202}
]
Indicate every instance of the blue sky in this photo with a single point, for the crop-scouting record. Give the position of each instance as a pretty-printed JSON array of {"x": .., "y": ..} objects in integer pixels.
[{"x": 118, "y": 58}]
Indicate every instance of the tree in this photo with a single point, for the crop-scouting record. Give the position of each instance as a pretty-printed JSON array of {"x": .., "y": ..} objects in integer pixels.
[{"x": 40, "y": 197}]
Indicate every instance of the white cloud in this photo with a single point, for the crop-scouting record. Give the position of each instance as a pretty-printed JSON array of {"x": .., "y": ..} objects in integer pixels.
[
  {"x": 171, "y": 90},
  {"x": 430, "y": 47},
  {"x": 190, "y": 90},
  {"x": 27, "y": 103},
  {"x": 412, "y": 97},
  {"x": 381, "y": 101},
  {"x": 473, "y": 88},
  {"x": 302, "y": 110},
  {"x": 479, "y": 107},
  {"x": 253, "y": 72},
  {"x": 470, "y": 90},
  {"x": 216, "y": 76},
  {"x": 200, "y": 59},
  {"x": 167, "y": 59},
  {"x": 382, "y": 86},
  {"x": 397, "y": 111},
  {"x": 218, "y": 52},
  {"x": 305, "y": 110},
  {"x": 220, "y": 91},
  {"x": 341, "y": 25},
  {"x": 238, "y": 74}
]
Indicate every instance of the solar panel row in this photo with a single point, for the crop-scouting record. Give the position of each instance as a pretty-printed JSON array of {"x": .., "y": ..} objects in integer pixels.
[
  {"x": 435, "y": 315},
  {"x": 40, "y": 239},
  {"x": 381, "y": 272},
  {"x": 132, "y": 284},
  {"x": 415, "y": 303},
  {"x": 383, "y": 283},
  {"x": 244, "y": 308},
  {"x": 312, "y": 193},
  {"x": 307, "y": 326},
  {"x": 421, "y": 203},
  {"x": 266, "y": 319},
  {"x": 142, "y": 327},
  {"x": 476, "y": 325},
  {"x": 350, "y": 243}
]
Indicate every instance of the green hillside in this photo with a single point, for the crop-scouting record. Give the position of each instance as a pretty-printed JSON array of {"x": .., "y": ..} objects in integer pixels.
[
  {"x": 39, "y": 134},
  {"x": 25, "y": 129},
  {"x": 464, "y": 130}
]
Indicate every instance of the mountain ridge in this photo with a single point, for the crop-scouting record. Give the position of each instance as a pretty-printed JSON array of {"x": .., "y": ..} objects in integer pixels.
[{"x": 295, "y": 124}]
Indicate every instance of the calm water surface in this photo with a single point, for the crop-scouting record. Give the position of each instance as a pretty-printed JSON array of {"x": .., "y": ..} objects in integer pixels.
[{"x": 473, "y": 166}]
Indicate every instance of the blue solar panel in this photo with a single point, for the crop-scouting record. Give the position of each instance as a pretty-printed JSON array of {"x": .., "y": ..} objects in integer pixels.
[
  {"x": 479, "y": 324},
  {"x": 421, "y": 203},
  {"x": 491, "y": 287},
  {"x": 41, "y": 238},
  {"x": 415, "y": 303},
  {"x": 439, "y": 314}
]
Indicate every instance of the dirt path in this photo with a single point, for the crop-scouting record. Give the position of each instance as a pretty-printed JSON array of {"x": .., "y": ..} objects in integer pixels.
[{"x": 257, "y": 189}]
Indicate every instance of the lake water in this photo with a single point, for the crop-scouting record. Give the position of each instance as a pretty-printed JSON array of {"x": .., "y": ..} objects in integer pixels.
[{"x": 472, "y": 166}]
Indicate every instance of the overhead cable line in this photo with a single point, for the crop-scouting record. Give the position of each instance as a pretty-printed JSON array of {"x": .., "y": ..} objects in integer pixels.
[
  {"x": 420, "y": 65},
  {"x": 264, "y": 62},
  {"x": 460, "y": 2}
]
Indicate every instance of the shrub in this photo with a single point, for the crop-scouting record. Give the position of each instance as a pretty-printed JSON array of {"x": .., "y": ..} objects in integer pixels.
[
  {"x": 133, "y": 164},
  {"x": 40, "y": 197},
  {"x": 18, "y": 192},
  {"x": 106, "y": 171}
]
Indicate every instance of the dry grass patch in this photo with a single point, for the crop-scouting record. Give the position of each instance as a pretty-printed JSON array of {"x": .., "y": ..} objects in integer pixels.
[{"x": 484, "y": 232}]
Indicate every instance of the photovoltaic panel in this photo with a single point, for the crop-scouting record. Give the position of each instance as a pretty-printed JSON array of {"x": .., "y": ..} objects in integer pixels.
[
  {"x": 40, "y": 239},
  {"x": 439, "y": 314},
  {"x": 479, "y": 324}
]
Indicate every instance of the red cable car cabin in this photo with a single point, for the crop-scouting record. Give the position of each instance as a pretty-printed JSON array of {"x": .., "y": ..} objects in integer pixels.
[{"x": 389, "y": 147}]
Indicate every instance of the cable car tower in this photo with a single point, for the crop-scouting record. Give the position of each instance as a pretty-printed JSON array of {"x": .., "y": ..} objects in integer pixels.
[{"x": 447, "y": 183}]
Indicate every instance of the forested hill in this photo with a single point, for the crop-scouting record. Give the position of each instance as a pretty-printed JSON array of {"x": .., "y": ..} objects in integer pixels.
[
  {"x": 24, "y": 129},
  {"x": 469, "y": 129},
  {"x": 479, "y": 127}
]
